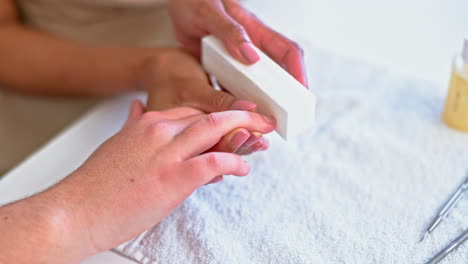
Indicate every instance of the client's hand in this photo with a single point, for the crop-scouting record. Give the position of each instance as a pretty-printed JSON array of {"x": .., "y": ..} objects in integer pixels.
[
  {"x": 131, "y": 182},
  {"x": 176, "y": 79},
  {"x": 147, "y": 169}
]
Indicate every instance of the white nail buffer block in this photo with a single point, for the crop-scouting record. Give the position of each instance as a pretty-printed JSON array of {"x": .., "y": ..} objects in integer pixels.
[{"x": 265, "y": 83}]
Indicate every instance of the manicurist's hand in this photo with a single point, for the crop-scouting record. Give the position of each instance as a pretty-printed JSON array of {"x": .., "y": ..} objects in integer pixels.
[
  {"x": 176, "y": 79},
  {"x": 238, "y": 29},
  {"x": 129, "y": 184}
]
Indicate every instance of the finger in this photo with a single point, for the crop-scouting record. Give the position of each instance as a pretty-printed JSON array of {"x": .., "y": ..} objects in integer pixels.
[
  {"x": 231, "y": 33},
  {"x": 286, "y": 53},
  {"x": 179, "y": 125},
  {"x": 136, "y": 110},
  {"x": 294, "y": 63},
  {"x": 254, "y": 138},
  {"x": 261, "y": 145},
  {"x": 210, "y": 100},
  {"x": 283, "y": 51},
  {"x": 190, "y": 44},
  {"x": 216, "y": 179},
  {"x": 181, "y": 112},
  {"x": 232, "y": 141},
  {"x": 229, "y": 143},
  {"x": 205, "y": 133},
  {"x": 243, "y": 106},
  {"x": 182, "y": 117},
  {"x": 265, "y": 145},
  {"x": 204, "y": 168}
]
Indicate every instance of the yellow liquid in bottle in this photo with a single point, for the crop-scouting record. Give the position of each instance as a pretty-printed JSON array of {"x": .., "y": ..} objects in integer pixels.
[{"x": 456, "y": 105}]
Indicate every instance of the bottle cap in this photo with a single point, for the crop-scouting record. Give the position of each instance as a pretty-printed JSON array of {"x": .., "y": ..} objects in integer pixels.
[{"x": 465, "y": 51}]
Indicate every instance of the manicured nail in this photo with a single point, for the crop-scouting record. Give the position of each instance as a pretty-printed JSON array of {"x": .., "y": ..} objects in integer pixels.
[
  {"x": 269, "y": 119},
  {"x": 248, "y": 52},
  {"x": 257, "y": 146},
  {"x": 264, "y": 147},
  {"x": 257, "y": 134},
  {"x": 254, "y": 138},
  {"x": 239, "y": 139},
  {"x": 265, "y": 144}
]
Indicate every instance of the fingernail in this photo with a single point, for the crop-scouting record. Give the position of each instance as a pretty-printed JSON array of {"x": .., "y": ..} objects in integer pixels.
[
  {"x": 257, "y": 146},
  {"x": 265, "y": 144},
  {"x": 240, "y": 138},
  {"x": 269, "y": 119},
  {"x": 254, "y": 138},
  {"x": 248, "y": 52},
  {"x": 257, "y": 134}
]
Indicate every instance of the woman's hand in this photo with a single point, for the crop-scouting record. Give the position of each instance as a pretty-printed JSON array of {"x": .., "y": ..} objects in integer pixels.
[
  {"x": 131, "y": 182},
  {"x": 176, "y": 79},
  {"x": 146, "y": 170},
  {"x": 237, "y": 28}
]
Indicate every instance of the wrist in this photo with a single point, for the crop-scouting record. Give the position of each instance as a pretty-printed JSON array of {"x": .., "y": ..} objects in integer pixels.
[
  {"x": 70, "y": 216},
  {"x": 154, "y": 64},
  {"x": 64, "y": 225}
]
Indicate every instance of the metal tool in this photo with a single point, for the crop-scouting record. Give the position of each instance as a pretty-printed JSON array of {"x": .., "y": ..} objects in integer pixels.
[
  {"x": 451, "y": 247},
  {"x": 448, "y": 206}
]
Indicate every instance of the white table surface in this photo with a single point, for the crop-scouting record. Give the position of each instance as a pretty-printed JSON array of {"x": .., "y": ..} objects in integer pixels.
[{"x": 416, "y": 38}]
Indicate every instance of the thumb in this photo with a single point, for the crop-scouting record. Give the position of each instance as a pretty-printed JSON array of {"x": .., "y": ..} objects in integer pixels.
[
  {"x": 136, "y": 110},
  {"x": 211, "y": 100},
  {"x": 232, "y": 34}
]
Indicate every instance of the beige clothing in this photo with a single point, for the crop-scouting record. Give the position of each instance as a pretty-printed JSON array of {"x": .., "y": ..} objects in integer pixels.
[{"x": 27, "y": 122}]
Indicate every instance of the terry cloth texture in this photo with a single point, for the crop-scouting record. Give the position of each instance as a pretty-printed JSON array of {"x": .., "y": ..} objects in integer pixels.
[{"x": 360, "y": 187}]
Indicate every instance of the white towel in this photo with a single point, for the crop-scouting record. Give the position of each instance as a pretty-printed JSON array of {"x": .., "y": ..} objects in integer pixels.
[{"x": 361, "y": 187}]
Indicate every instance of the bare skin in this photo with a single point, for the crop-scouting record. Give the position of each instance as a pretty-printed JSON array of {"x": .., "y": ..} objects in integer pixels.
[
  {"x": 177, "y": 79},
  {"x": 131, "y": 182},
  {"x": 238, "y": 29},
  {"x": 138, "y": 176}
]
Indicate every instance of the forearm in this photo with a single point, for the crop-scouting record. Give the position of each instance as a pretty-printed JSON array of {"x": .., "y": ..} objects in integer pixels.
[
  {"x": 38, "y": 229},
  {"x": 37, "y": 63}
]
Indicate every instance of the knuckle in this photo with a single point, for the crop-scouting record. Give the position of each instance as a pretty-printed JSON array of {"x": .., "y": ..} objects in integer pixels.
[
  {"x": 221, "y": 101},
  {"x": 237, "y": 31},
  {"x": 212, "y": 162},
  {"x": 213, "y": 120},
  {"x": 236, "y": 9},
  {"x": 204, "y": 8},
  {"x": 151, "y": 116},
  {"x": 250, "y": 116},
  {"x": 160, "y": 129}
]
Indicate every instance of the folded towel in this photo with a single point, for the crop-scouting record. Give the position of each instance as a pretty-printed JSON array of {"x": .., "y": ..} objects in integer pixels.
[{"x": 360, "y": 187}]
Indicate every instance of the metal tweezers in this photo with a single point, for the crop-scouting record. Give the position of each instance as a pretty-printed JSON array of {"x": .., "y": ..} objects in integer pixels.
[
  {"x": 451, "y": 247},
  {"x": 448, "y": 206}
]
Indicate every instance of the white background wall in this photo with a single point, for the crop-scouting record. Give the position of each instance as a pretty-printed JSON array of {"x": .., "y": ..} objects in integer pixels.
[{"x": 415, "y": 37}]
